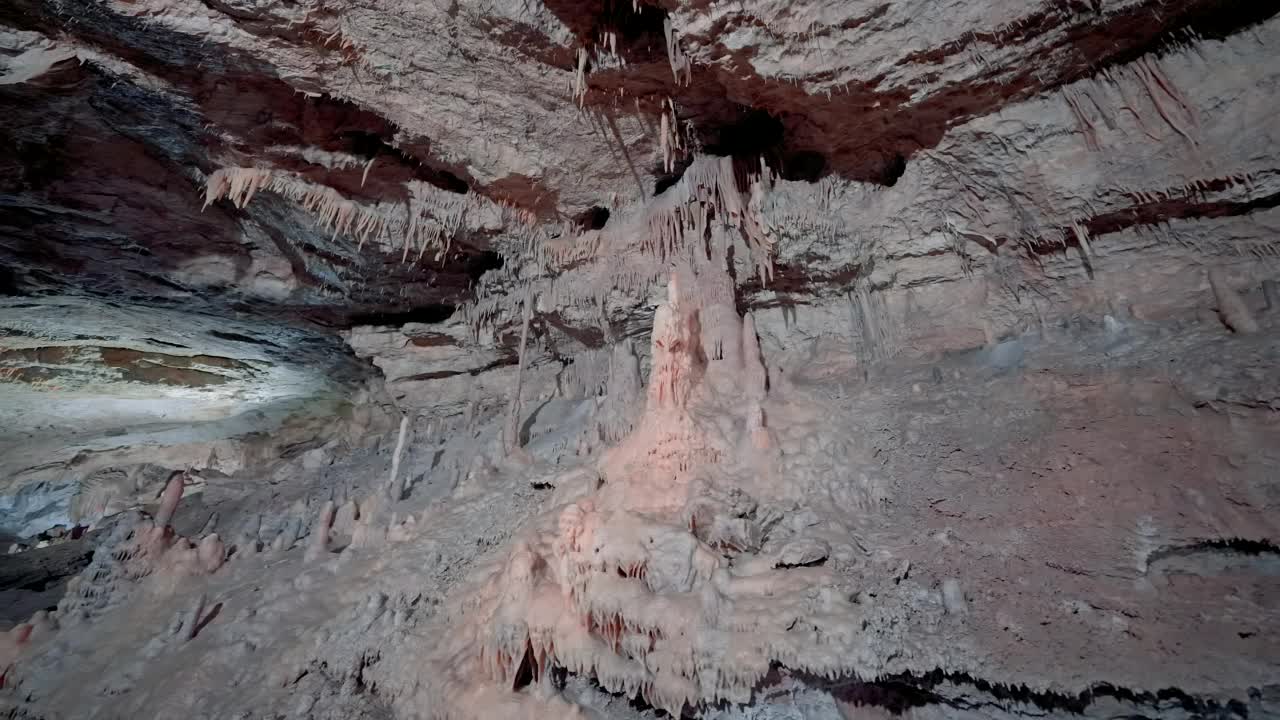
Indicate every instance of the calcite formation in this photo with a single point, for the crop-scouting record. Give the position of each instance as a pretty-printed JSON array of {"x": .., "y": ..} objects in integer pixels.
[
  {"x": 649, "y": 584},
  {"x": 624, "y": 360}
]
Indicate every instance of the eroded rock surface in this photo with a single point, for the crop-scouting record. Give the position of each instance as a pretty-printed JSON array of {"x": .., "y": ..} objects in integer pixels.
[{"x": 625, "y": 360}]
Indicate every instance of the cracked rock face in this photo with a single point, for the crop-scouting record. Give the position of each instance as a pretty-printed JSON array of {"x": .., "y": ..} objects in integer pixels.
[{"x": 564, "y": 358}]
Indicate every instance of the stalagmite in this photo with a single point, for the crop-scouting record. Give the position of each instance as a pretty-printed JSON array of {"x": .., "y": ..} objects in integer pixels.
[
  {"x": 169, "y": 500},
  {"x": 621, "y": 583},
  {"x": 191, "y": 624},
  {"x": 1231, "y": 307},
  {"x": 318, "y": 544},
  {"x": 344, "y": 518},
  {"x": 395, "y": 486},
  {"x": 624, "y": 388},
  {"x": 822, "y": 400},
  {"x": 1271, "y": 294},
  {"x": 367, "y": 533},
  {"x": 212, "y": 552},
  {"x": 755, "y": 377},
  {"x": 11, "y": 644},
  {"x": 209, "y": 525},
  {"x": 953, "y": 597}
]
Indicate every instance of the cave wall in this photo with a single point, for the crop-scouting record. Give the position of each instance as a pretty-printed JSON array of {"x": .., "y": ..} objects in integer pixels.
[{"x": 933, "y": 345}]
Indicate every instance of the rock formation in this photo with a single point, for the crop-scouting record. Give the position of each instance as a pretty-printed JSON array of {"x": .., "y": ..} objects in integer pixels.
[
  {"x": 630, "y": 360},
  {"x": 656, "y": 584}
]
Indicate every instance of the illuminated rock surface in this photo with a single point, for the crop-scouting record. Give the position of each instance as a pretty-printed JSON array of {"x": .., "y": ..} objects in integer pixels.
[{"x": 628, "y": 360}]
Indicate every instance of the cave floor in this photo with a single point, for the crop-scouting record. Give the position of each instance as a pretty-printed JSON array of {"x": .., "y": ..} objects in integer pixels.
[{"x": 1065, "y": 512}]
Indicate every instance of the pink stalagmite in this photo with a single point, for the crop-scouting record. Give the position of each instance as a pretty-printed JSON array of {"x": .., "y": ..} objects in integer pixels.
[{"x": 169, "y": 500}]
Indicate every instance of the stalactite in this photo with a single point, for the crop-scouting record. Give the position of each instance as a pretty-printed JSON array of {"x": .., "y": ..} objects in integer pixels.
[
  {"x": 664, "y": 140},
  {"x": 580, "y": 78},
  {"x": 681, "y": 67},
  {"x": 872, "y": 326},
  {"x": 669, "y": 135},
  {"x": 511, "y": 435},
  {"x": 1086, "y": 125},
  {"x": 431, "y": 218},
  {"x": 1081, "y": 234},
  {"x": 1150, "y": 75},
  {"x": 639, "y": 247}
]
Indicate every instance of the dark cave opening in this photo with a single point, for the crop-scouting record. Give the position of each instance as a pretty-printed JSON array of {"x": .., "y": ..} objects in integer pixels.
[
  {"x": 9, "y": 282},
  {"x": 426, "y": 315},
  {"x": 452, "y": 183},
  {"x": 478, "y": 265},
  {"x": 804, "y": 166},
  {"x": 42, "y": 163},
  {"x": 638, "y": 28},
  {"x": 1224, "y": 18},
  {"x": 756, "y": 132},
  {"x": 634, "y": 24},
  {"x": 666, "y": 180},
  {"x": 363, "y": 143},
  {"x": 237, "y": 337},
  {"x": 1215, "y": 20},
  {"x": 371, "y": 145},
  {"x": 593, "y": 218},
  {"x": 902, "y": 692},
  {"x": 894, "y": 169},
  {"x": 525, "y": 672}
]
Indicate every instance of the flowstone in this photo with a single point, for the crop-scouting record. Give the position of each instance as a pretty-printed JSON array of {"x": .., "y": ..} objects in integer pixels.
[{"x": 655, "y": 584}]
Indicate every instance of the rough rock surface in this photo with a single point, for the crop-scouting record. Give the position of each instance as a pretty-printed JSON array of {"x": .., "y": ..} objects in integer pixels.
[{"x": 559, "y": 358}]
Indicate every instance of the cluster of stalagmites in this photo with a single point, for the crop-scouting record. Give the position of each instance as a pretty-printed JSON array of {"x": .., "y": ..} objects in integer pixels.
[
  {"x": 655, "y": 583},
  {"x": 148, "y": 549},
  {"x": 145, "y": 554}
]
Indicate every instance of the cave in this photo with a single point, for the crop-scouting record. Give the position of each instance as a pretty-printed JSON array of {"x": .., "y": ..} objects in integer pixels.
[{"x": 635, "y": 360}]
